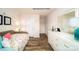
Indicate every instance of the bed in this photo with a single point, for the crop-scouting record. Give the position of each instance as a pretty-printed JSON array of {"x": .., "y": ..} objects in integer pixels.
[{"x": 18, "y": 40}]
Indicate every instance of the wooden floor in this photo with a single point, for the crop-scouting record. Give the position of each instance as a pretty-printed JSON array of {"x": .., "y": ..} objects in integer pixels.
[{"x": 38, "y": 44}]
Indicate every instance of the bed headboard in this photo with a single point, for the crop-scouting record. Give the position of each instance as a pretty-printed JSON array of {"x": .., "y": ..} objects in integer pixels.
[{"x": 11, "y": 31}]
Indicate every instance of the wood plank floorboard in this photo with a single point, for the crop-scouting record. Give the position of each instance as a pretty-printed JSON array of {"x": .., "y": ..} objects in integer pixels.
[{"x": 38, "y": 44}]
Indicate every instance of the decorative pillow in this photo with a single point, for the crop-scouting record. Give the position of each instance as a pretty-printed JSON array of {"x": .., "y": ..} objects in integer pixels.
[
  {"x": 76, "y": 34},
  {"x": 0, "y": 33},
  {"x": 0, "y": 42},
  {"x": 1, "y": 38},
  {"x": 6, "y": 43},
  {"x": 8, "y": 35}
]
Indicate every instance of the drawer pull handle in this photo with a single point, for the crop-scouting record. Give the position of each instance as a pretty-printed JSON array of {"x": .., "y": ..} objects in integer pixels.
[
  {"x": 56, "y": 39},
  {"x": 66, "y": 45}
]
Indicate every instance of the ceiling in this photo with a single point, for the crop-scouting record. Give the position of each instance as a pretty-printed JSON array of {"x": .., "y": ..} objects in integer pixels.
[{"x": 40, "y": 11}]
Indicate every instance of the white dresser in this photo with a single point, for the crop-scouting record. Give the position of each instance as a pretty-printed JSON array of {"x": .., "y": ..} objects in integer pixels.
[{"x": 61, "y": 41}]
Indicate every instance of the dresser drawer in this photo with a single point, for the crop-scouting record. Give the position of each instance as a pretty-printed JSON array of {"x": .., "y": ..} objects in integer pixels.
[{"x": 68, "y": 46}]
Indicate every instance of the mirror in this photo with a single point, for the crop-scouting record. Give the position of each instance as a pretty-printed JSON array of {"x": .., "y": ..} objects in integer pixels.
[{"x": 64, "y": 21}]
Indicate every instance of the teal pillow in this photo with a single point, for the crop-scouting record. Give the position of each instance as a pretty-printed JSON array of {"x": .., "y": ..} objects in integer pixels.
[
  {"x": 1, "y": 38},
  {"x": 0, "y": 42},
  {"x": 7, "y": 49},
  {"x": 76, "y": 34}
]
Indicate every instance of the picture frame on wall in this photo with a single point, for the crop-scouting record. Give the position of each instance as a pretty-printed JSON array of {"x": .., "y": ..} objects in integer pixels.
[
  {"x": 1, "y": 19},
  {"x": 7, "y": 20}
]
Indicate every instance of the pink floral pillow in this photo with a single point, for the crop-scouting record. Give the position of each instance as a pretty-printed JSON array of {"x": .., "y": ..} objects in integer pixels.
[{"x": 8, "y": 35}]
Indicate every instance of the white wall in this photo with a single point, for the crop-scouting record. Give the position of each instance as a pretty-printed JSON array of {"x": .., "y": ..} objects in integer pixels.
[
  {"x": 42, "y": 24},
  {"x": 14, "y": 17},
  {"x": 53, "y": 18},
  {"x": 31, "y": 24},
  {"x": 27, "y": 22}
]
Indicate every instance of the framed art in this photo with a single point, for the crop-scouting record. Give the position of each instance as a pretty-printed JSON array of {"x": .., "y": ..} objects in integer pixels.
[
  {"x": 1, "y": 19},
  {"x": 7, "y": 20}
]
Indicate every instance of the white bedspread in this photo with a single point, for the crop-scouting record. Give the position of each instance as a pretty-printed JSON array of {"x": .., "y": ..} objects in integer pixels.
[{"x": 19, "y": 41}]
